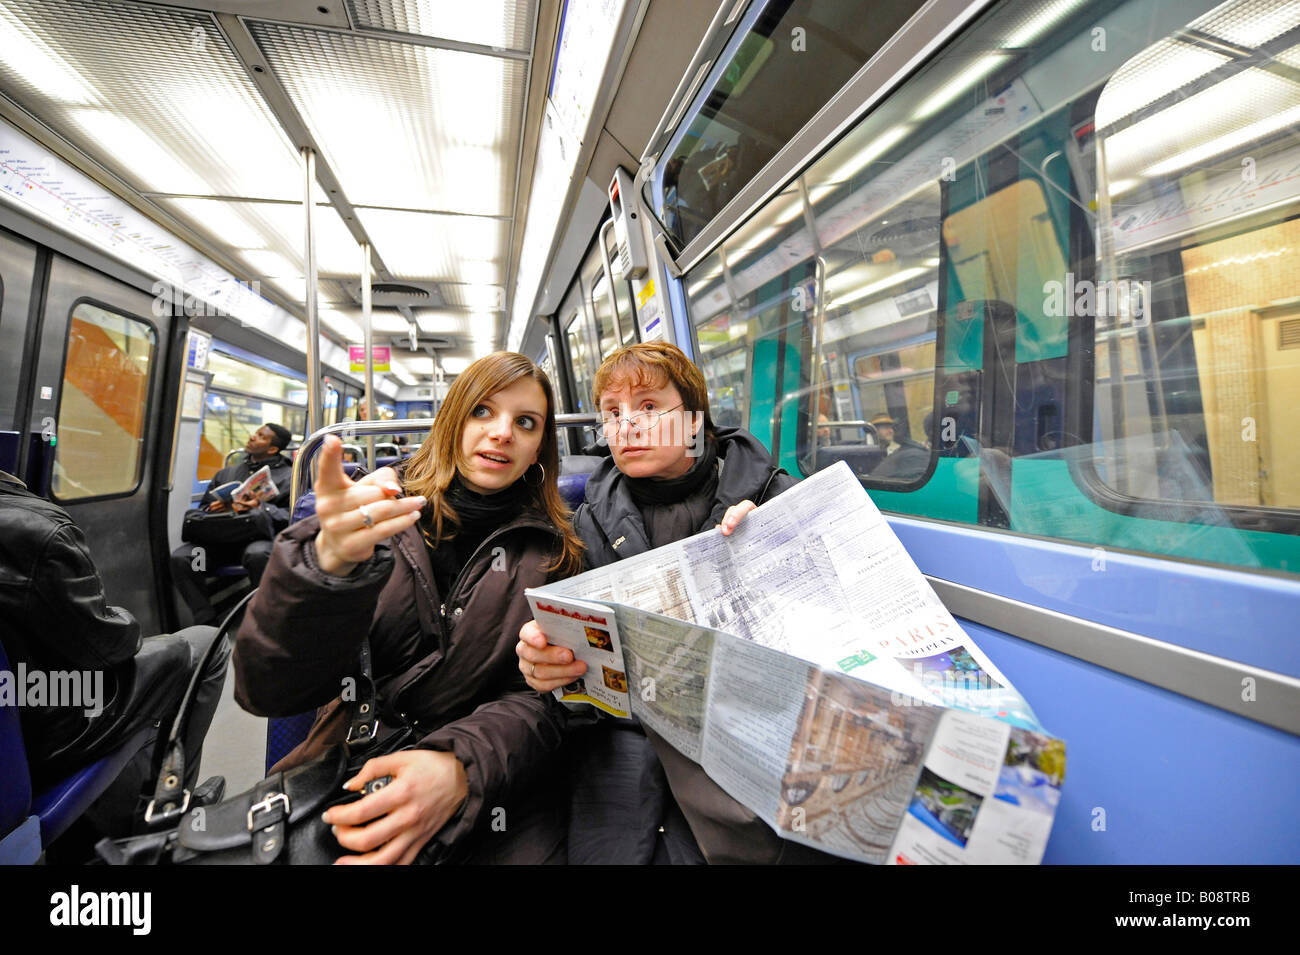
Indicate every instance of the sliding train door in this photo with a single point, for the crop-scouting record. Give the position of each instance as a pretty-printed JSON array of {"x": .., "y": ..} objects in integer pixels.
[{"x": 101, "y": 404}]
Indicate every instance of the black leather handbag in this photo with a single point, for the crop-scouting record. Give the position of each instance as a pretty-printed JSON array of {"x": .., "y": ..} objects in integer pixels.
[
  {"x": 222, "y": 528},
  {"x": 279, "y": 819}
]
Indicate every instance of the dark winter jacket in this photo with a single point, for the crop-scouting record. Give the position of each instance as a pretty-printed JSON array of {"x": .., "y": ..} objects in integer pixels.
[
  {"x": 53, "y": 614},
  {"x": 276, "y": 510},
  {"x": 444, "y": 665},
  {"x": 611, "y": 525},
  {"x": 612, "y": 528}
]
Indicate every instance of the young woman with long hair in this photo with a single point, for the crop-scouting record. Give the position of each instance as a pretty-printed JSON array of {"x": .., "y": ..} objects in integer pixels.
[{"x": 430, "y": 561}]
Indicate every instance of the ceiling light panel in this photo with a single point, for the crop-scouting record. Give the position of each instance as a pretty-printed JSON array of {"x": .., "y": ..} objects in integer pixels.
[
  {"x": 434, "y": 321},
  {"x": 1249, "y": 23},
  {"x": 1157, "y": 71},
  {"x": 505, "y": 24},
  {"x": 477, "y": 297},
  {"x": 1239, "y": 101},
  {"x": 385, "y": 321},
  {"x": 274, "y": 226},
  {"x": 440, "y": 248},
  {"x": 152, "y": 93},
  {"x": 448, "y": 121}
]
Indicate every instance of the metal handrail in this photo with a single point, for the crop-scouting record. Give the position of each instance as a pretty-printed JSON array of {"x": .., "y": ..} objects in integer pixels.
[{"x": 312, "y": 444}]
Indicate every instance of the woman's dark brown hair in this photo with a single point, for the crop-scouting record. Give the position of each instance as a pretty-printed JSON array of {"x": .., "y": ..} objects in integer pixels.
[{"x": 431, "y": 469}]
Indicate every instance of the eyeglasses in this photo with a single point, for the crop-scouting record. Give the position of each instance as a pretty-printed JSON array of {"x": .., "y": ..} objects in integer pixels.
[{"x": 637, "y": 421}]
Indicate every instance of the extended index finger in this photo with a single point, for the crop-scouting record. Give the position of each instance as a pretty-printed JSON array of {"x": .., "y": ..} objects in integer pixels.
[{"x": 330, "y": 476}]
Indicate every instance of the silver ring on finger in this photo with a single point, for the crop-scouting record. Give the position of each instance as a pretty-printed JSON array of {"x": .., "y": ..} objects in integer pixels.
[
  {"x": 534, "y": 668},
  {"x": 366, "y": 519}
]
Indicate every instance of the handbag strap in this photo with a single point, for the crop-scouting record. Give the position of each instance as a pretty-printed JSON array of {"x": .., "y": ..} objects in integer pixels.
[{"x": 170, "y": 799}]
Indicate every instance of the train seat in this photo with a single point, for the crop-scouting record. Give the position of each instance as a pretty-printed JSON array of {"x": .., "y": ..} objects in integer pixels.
[
  {"x": 283, "y": 733},
  {"x": 30, "y": 821},
  {"x": 10, "y": 441},
  {"x": 574, "y": 471},
  {"x": 862, "y": 458},
  {"x": 305, "y": 506}
]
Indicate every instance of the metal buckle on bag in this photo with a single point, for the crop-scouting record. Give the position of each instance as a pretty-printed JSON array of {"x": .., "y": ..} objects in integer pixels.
[
  {"x": 148, "y": 812},
  {"x": 266, "y": 805},
  {"x": 362, "y": 732}
]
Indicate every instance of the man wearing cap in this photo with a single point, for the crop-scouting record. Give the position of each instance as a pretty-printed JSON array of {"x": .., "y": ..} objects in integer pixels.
[
  {"x": 904, "y": 459},
  {"x": 884, "y": 426},
  {"x": 264, "y": 448}
]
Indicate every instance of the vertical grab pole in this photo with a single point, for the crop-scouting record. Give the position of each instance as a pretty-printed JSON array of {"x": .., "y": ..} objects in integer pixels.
[
  {"x": 370, "y": 357},
  {"x": 819, "y": 313},
  {"x": 315, "y": 408}
]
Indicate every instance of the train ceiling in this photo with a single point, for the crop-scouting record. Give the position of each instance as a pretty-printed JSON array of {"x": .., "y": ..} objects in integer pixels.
[{"x": 416, "y": 110}]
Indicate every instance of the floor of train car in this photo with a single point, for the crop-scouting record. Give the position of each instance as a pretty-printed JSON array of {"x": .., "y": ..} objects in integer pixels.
[{"x": 235, "y": 746}]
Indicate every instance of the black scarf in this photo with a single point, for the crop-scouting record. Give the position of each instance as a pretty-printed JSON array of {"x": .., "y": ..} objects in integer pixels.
[
  {"x": 479, "y": 515},
  {"x": 672, "y": 490}
]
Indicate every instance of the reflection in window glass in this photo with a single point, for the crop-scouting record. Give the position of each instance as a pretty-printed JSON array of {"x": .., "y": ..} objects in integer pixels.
[
  {"x": 1095, "y": 256},
  {"x": 103, "y": 405},
  {"x": 1198, "y": 342},
  {"x": 604, "y": 316},
  {"x": 229, "y": 420},
  {"x": 230, "y": 372},
  {"x": 583, "y": 354},
  {"x": 794, "y": 58},
  {"x": 622, "y": 293}
]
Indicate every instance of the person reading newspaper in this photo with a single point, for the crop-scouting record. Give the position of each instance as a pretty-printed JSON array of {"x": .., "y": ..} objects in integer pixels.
[
  {"x": 193, "y": 562},
  {"x": 672, "y": 474}
]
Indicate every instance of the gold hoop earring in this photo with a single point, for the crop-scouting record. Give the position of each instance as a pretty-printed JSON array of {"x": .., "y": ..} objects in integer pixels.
[{"x": 541, "y": 481}]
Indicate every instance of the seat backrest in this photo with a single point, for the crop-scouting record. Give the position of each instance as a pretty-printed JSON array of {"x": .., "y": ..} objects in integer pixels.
[
  {"x": 574, "y": 471},
  {"x": 9, "y": 447},
  {"x": 862, "y": 458},
  {"x": 15, "y": 775},
  {"x": 284, "y": 733},
  {"x": 573, "y": 488},
  {"x": 305, "y": 506}
]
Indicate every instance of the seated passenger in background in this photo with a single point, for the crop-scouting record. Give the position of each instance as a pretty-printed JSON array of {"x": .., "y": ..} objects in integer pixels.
[
  {"x": 905, "y": 459},
  {"x": 265, "y": 448},
  {"x": 672, "y": 474},
  {"x": 436, "y": 581},
  {"x": 54, "y": 618}
]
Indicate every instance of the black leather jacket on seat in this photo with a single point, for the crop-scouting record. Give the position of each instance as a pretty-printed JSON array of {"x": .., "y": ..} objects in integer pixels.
[{"x": 53, "y": 613}]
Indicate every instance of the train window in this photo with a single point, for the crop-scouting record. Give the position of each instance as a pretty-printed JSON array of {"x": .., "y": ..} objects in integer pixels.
[
  {"x": 584, "y": 355},
  {"x": 794, "y": 56},
  {"x": 241, "y": 398},
  {"x": 864, "y": 285},
  {"x": 604, "y": 316},
  {"x": 1068, "y": 241},
  {"x": 548, "y": 365},
  {"x": 103, "y": 404},
  {"x": 1197, "y": 326},
  {"x": 622, "y": 293}
]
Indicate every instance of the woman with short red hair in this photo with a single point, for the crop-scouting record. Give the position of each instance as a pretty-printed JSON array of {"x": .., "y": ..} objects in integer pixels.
[{"x": 671, "y": 474}]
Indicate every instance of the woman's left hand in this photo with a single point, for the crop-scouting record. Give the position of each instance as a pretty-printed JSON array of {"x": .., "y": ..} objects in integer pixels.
[
  {"x": 391, "y": 826},
  {"x": 731, "y": 520}
]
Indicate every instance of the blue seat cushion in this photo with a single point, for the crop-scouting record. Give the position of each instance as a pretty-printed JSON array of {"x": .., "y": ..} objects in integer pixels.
[
  {"x": 15, "y": 777},
  {"x": 305, "y": 506},
  {"x": 283, "y": 733},
  {"x": 573, "y": 487},
  {"x": 61, "y": 804}
]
